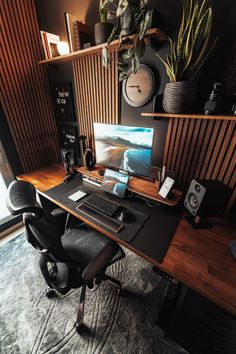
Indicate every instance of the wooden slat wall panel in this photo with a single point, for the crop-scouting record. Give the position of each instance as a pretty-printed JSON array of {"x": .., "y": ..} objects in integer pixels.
[
  {"x": 203, "y": 149},
  {"x": 24, "y": 92},
  {"x": 96, "y": 92}
]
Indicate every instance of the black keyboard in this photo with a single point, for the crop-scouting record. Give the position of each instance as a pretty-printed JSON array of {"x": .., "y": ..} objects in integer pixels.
[{"x": 102, "y": 204}]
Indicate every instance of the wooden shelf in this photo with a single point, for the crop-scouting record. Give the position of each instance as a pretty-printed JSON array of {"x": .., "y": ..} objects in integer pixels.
[
  {"x": 113, "y": 46},
  {"x": 139, "y": 186},
  {"x": 195, "y": 116}
]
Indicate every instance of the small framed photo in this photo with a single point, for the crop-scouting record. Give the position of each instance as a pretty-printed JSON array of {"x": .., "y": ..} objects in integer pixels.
[{"x": 50, "y": 42}]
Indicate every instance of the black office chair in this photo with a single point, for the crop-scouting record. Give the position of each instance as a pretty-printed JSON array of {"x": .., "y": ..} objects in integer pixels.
[{"x": 77, "y": 257}]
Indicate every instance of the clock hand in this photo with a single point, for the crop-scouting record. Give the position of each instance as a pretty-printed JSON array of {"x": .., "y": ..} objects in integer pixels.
[{"x": 138, "y": 87}]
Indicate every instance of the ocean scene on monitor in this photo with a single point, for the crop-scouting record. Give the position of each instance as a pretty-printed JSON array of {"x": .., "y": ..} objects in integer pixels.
[
  {"x": 115, "y": 183},
  {"x": 124, "y": 147}
]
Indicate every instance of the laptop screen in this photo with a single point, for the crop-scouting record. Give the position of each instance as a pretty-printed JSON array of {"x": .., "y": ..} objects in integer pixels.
[{"x": 115, "y": 183}]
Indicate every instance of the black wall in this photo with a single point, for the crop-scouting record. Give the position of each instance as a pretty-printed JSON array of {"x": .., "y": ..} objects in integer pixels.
[{"x": 51, "y": 19}]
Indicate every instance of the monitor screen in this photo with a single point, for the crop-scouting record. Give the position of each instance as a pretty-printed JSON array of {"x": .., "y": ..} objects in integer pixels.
[
  {"x": 115, "y": 183},
  {"x": 124, "y": 147}
]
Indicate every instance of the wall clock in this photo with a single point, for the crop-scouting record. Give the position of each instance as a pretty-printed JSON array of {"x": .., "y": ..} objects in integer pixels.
[{"x": 139, "y": 87}]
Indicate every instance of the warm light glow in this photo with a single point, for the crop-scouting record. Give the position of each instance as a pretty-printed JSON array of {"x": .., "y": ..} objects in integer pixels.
[{"x": 63, "y": 48}]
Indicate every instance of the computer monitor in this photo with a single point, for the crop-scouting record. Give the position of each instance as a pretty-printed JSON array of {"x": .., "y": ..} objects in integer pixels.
[{"x": 124, "y": 147}]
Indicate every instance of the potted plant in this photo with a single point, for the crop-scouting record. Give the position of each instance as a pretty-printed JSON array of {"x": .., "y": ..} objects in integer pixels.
[
  {"x": 103, "y": 29},
  {"x": 187, "y": 56},
  {"x": 132, "y": 17}
]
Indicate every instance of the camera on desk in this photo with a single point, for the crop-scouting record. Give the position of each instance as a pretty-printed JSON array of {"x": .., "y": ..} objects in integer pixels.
[{"x": 68, "y": 160}]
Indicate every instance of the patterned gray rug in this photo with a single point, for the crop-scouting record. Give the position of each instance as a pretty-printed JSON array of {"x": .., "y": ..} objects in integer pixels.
[{"x": 32, "y": 323}]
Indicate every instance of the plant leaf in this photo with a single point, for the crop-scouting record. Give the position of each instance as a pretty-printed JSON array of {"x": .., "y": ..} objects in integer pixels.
[
  {"x": 122, "y": 6},
  {"x": 111, "y": 15},
  {"x": 189, "y": 53},
  {"x": 145, "y": 25},
  {"x": 112, "y": 35},
  {"x": 125, "y": 74},
  {"x": 105, "y": 57},
  {"x": 194, "y": 74}
]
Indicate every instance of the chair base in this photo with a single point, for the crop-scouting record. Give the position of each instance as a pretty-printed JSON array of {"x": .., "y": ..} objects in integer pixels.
[
  {"x": 80, "y": 312},
  {"x": 113, "y": 281},
  {"x": 50, "y": 293}
]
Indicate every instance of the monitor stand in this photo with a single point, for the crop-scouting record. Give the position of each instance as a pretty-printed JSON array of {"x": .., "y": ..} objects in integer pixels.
[{"x": 124, "y": 172}]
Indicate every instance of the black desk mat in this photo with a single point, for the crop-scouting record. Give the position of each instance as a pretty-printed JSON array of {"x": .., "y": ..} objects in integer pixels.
[
  {"x": 156, "y": 228},
  {"x": 126, "y": 231}
]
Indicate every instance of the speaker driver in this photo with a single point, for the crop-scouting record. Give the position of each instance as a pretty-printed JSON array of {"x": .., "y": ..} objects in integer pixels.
[
  {"x": 193, "y": 201},
  {"x": 197, "y": 188}
]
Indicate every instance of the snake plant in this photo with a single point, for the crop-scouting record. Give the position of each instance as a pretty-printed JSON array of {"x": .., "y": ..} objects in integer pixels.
[{"x": 189, "y": 53}]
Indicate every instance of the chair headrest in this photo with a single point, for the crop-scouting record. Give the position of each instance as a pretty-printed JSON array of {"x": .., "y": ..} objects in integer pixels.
[{"x": 21, "y": 198}]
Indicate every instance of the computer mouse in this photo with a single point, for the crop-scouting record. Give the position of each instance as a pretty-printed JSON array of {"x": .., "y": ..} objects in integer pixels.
[{"x": 124, "y": 215}]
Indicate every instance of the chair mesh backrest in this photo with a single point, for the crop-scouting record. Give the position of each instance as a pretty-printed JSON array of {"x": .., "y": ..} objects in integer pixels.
[
  {"x": 21, "y": 198},
  {"x": 45, "y": 233}
]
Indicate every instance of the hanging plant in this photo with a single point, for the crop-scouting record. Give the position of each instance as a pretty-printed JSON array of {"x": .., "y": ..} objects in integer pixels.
[{"x": 132, "y": 17}]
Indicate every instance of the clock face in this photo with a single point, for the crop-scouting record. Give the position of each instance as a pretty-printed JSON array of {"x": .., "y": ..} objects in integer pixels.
[{"x": 138, "y": 88}]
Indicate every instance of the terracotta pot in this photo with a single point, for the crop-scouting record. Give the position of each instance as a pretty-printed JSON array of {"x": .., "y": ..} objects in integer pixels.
[
  {"x": 102, "y": 31},
  {"x": 179, "y": 97}
]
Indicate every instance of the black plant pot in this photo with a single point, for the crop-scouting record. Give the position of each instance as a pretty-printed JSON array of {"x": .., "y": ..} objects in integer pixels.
[
  {"x": 179, "y": 97},
  {"x": 102, "y": 31}
]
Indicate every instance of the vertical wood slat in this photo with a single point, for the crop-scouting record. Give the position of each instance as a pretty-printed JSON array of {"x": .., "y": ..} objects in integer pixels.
[
  {"x": 24, "y": 92},
  {"x": 201, "y": 149},
  {"x": 96, "y": 93}
]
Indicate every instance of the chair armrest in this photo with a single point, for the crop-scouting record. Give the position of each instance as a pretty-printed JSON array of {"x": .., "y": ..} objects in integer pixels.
[
  {"x": 101, "y": 260},
  {"x": 58, "y": 212}
]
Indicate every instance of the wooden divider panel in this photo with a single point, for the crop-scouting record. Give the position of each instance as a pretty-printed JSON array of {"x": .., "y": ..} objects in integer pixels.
[
  {"x": 96, "y": 93},
  {"x": 204, "y": 149},
  {"x": 24, "y": 90}
]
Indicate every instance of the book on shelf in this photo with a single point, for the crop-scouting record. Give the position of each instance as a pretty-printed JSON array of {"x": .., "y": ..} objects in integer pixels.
[
  {"x": 45, "y": 44},
  {"x": 50, "y": 42},
  {"x": 78, "y": 33}
]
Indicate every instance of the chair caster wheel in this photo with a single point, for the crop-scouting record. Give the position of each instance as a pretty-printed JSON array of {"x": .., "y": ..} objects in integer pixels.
[
  {"x": 50, "y": 293},
  {"x": 78, "y": 327}
]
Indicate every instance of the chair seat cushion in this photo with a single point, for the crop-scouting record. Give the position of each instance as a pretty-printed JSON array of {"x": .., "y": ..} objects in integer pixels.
[{"x": 83, "y": 243}]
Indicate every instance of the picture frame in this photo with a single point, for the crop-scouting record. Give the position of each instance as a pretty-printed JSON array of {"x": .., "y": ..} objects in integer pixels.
[
  {"x": 63, "y": 102},
  {"x": 50, "y": 42}
]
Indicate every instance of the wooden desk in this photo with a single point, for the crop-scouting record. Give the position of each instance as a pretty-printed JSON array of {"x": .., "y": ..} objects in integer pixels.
[{"x": 198, "y": 258}]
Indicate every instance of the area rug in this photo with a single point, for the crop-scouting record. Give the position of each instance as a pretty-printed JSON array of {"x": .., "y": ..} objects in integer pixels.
[{"x": 32, "y": 323}]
